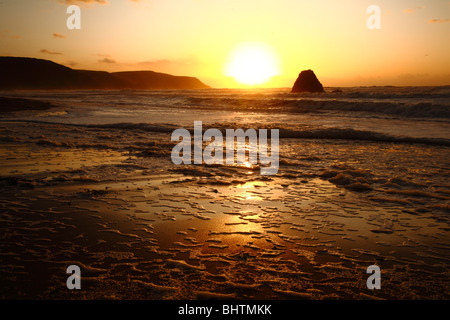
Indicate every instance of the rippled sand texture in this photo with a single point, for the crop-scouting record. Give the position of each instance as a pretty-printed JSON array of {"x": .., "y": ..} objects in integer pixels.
[{"x": 111, "y": 201}]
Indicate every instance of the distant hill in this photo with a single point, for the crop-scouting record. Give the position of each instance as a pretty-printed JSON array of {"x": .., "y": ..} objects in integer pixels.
[
  {"x": 150, "y": 79},
  {"x": 30, "y": 73}
]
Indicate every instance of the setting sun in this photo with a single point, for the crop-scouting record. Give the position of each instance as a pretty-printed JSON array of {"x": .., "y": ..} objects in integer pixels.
[{"x": 252, "y": 63}]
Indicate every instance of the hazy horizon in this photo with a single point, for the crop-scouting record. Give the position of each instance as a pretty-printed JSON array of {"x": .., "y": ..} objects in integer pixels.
[{"x": 263, "y": 86}]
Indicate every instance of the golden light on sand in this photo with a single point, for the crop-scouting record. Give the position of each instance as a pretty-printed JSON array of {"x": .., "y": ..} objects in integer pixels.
[{"x": 252, "y": 63}]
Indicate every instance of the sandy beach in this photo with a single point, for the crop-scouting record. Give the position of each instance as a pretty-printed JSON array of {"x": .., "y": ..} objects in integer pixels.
[{"x": 111, "y": 201}]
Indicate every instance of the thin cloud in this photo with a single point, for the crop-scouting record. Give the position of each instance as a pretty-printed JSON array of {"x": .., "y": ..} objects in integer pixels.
[
  {"x": 71, "y": 63},
  {"x": 190, "y": 65},
  {"x": 58, "y": 35},
  {"x": 107, "y": 60},
  {"x": 50, "y": 52},
  {"x": 414, "y": 9},
  {"x": 88, "y": 2},
  {"x": 410, "y": 76},
  {"x": 161, "y": 62},
  {"x": 6, "y": 34},
  {"x": 83, "y": 2},
  {"x": 167, "y": 64},
  {"x": 438, "y": 20}
]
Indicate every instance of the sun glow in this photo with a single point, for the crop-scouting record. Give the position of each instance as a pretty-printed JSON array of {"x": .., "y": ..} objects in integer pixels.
[{"x": 252, "y": 63}]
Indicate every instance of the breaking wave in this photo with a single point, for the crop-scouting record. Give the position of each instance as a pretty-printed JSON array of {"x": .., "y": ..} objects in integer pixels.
[
  {"x": 421, "y": 109},
  {"x": 332, "y": 133}
]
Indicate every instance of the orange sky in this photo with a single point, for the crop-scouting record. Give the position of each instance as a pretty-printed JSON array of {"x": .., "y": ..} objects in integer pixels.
[{"x": 196, "y": 37}]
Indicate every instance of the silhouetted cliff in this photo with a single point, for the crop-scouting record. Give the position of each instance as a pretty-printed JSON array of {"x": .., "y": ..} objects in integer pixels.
[
  {"x": 30, "y": 73},
  {"x": 155, "y": 80}
]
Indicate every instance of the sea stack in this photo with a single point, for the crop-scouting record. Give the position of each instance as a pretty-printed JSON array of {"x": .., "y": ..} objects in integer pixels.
[{"x": 307, "y": 82}]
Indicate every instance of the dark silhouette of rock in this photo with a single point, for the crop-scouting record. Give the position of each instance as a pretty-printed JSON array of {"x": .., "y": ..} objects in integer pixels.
[
  {"x": 307, "y": 82},
  {"x": 8, "y": 104},
  {"x": 30, "y": 73}
]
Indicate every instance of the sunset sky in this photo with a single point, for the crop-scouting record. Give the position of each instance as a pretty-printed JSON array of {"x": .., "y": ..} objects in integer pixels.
[{"x": 197, "y": 38}]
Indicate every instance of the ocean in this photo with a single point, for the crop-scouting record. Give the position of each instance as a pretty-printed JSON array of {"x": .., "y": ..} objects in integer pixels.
[
  {"x": 357, "y": 113},
  {"x": 363, "y": 179}
]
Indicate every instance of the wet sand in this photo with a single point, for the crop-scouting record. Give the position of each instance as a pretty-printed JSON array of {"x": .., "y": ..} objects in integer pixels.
[{"x": 111, "y": 201}]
